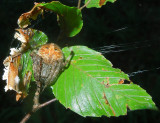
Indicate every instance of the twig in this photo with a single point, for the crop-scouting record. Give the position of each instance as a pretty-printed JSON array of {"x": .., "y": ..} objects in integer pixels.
[
  {"x": 79, "y": 4},
  {"x": 47, "y": 103},
  {"x": 36, "y": 105},
  {"x": 27, "y": 116},
  {"x": 85, "y": 4}
]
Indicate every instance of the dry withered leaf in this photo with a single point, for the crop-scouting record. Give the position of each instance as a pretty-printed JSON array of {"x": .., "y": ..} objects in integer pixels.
[
  {"x": 23, "y": 20},
  {"x": 11, "y": 73},
  {"x": 13, "y": 66},
  {"x": 23, "y": 35}
]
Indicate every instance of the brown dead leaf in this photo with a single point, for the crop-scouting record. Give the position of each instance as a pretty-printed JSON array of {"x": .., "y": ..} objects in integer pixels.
[
  {"x": 23, "y": 20},
  {"x": 11, "y": 75}
]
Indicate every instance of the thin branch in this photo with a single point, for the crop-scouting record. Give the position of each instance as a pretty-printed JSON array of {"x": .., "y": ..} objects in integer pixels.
[
  {"x": 46, "y": 103},
  {"x": 67, "y": 61},
  {"x": 85, "y": 4},
  {"x": 25, "y": 119},
  {"x": 27, "y": 116},
  {"x": 79, "y": 4}
]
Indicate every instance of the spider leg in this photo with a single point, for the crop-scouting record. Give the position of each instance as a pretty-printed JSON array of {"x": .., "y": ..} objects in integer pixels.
[{"x": 67, "y": 61}]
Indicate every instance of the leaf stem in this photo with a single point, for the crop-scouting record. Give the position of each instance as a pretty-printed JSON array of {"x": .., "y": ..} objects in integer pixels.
[
  {"x": 79, "y": 4},
  {"x": 85, "y": 4}
]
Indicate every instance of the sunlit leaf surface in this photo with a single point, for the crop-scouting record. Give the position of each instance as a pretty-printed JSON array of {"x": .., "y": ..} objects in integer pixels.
[{"x": 90, "y": 86}]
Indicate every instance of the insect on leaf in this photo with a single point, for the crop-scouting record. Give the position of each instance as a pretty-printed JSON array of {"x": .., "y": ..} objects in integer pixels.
[{"x": 90, "y": 86}]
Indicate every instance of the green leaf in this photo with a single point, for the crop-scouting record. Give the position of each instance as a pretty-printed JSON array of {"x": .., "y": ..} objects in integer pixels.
[
  {"x": 97, "y": 3},
  {"x": 26, "y": 63},
  {"x": 26, "y": 72},
  {"x": 38, "y": 39},
  {"x": 90, "y": 86},
  {"x": 69, "y": 18}
]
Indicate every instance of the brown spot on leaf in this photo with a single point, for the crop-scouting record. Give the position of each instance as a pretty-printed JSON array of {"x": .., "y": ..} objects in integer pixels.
[
  {"x": 80, "y": 57},
  {"x": 104, "y": 69},
  {"x": 101, "y": 2},
  {"x": 121, "y": 81},
  {"x": 106, "y": 85},
  {"x": 106, "y": 102},
  {"x": 112, "y": 110},
  {"x": 105, "y": 98},
  {"x": 89, "y": 75}
]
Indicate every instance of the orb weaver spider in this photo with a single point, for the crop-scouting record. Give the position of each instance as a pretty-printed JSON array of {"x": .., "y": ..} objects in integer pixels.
[{"x": 48, "y": 62}]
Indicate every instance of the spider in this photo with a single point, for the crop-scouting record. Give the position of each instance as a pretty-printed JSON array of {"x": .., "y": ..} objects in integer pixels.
[{"x": 48, "y": 63}]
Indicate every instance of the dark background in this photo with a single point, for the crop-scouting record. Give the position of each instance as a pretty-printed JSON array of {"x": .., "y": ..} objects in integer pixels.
[{"x": 124, "y": 22}]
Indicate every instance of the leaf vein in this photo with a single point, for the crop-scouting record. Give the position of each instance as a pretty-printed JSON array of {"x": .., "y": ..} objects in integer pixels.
[
  {"x": 88, "y": 98},
  {"x": 76, "y": 93},
  {"x": 99, "y": 101}
]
